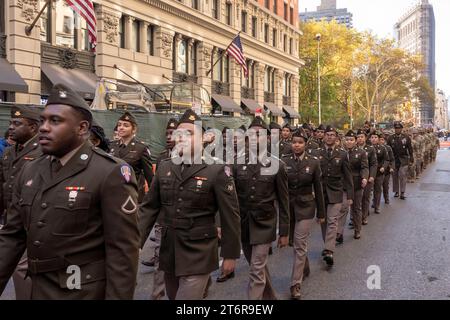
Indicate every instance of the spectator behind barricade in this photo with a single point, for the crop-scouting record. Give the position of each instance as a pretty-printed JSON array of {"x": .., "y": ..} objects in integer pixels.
[{"x": 5, "y": 142}]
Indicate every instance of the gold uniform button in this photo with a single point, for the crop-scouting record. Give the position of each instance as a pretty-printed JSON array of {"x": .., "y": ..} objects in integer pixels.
[
  {"x": 88, "y": 277},
  {"x": 44, "y": 206},
  {"x": 37, "y": 243}
]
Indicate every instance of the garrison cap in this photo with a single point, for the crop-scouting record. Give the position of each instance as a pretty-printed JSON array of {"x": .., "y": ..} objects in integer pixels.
[
  {"x": 61, "y": 94},
  {"x": 189, "y": 117},
  {"x": 398, "y": 125},
  {"x": 172, "y": 124},
  {"x": 351, "y": 134},
  {"x": 128, "y": 117},
  {"x": 27, "y": 112}
]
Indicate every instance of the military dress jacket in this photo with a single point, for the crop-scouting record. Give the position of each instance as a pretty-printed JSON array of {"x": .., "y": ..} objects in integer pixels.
[
  {"x": 258, "y": 187},
  {"x": 10, "y": 166},
  {"x": 402, "y": 148},
  {"x": 138, "y": 156},
  {"x": 382, "y": 158},
  {"x": 285, "y": 147},
  {"x": 84, "y": 215},
  {"x": 305, "y": 187},
  {"x": 372, "y": 157},
  {"x": 391, "y": 159},
  {"x": 336, "y": 175},
  {"x": 359, "y": 166},
  {"x": 185, "y": 204}
]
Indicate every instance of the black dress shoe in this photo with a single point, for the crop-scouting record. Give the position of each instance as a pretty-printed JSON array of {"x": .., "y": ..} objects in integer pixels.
[
  {"x": 402, "y": 197},
  {"x": 396, "y": 195},
  {"x": 328, "y": 258},
  {"x": 149, "y": 263},
  {"x": 377, "y": 211},
  {"x": 296, "y": 292},
  {"x": 339, "y": 239},
  {"x": 306, "y": 269},
  {"x": 387, "y": 202},
  {"x": 365, "y": 222},
  {"x": 357, "y": 235},
  {"x": 224, "y": 278}
]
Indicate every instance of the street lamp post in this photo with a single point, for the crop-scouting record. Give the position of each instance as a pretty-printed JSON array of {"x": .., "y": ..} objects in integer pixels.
[{"x": 318, "y": 38}]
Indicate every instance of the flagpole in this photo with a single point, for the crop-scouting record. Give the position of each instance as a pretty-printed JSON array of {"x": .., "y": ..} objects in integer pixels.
[
  {"x": 223, "y": 53},
  {"x": 29, "y": 28}
]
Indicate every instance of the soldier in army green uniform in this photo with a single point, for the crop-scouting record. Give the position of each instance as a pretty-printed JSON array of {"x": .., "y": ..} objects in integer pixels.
[
  {"x": 305, "y": 201},
  {"x": 412, "y": 168},
  {"x": 260, "y": 184},
  {"x": 359, "y": 166},
  {"x": 390, "y": 170},
  {"x": 336, "y": 177},
  {"x": 382, "y": 167},
  {"x": 184, "y": 197},
  {"x": 23, "y": 128},
  {"x": 133, "y": 151},
  {"x": 75, "y": 211}
]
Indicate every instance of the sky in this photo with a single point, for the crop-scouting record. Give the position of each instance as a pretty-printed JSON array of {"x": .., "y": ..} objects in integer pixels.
[{"x": 380, "y": 17}]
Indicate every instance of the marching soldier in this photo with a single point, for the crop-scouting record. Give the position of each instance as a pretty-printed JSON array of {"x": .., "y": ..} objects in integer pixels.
[
  {"x": 23, "y": 128},
  {"x": 319, "y": 135},
  {"x": 382, "y": 167},
  {"x": 158, "y": 277},
  {"x": 74, "y": 210},
  {"x": 133, "y": 151},
  {"x": 286, "y": 140},
  {"x": 359, "y": 166},
  {"x": 412, "y": 173},
  {"x": 336, "y": 177},
  {"x": 305, "y": 197},
  {"x": 184, "y": 197},
  {"x": 389, "y": 171},
  {"x": 373, "y": 167},
  {"x": 403, "y": 154},
  {"x": 259, "y": 185}
]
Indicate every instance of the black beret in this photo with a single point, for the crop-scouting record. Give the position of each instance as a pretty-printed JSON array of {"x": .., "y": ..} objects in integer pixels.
[
  {"x": 128, "y": 117},
  {"x": 27, "y": 112},
  {"x": 100, "y": 133},
  {"x": 330, "y": 129},
  {"x": 61, "y": 94},
  {"x": 379, "y": 134},
  {"x": 287, "y": 125},
  {"x": 351, "y": 133},
  {"x": 306, "y": 126},
  {"x": 274, "y": 125},
  {"x": 189, "y": 117},
  {"x": 258, "y": 122},
  {"x": 361, "y": 131},
  {"x": 321, "y": 127},
  {"x": 300, "y": 133},
  {"x": 172, "y": 124}
]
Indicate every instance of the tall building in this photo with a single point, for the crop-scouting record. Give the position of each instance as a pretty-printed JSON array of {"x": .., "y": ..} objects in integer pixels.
[
  {"x": 328, "y": 11},
  {"x": 441, "y": 111},
  {"x": 415, "y": 32},
  {"x": 157, "y": 42}
]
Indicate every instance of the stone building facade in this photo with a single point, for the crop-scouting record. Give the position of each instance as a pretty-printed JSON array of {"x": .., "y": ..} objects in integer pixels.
[{"x": 157, "y": 40}]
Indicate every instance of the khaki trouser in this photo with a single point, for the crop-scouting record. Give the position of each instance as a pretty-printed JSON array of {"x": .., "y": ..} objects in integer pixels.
[
  {"x": 260, "y": 285},
  {"x": 187, "y": 287},
  {"x": 302, "y": 231},
  {"x": 377, "y": 191},
  {"x": 329, "y": 228},
  {"x": 158, "y": 278},
  {"x": 366, "y": 200},
  {"x": 386, "y": 182},
  {"x": 355, "y": 210},
  {"x": 399, "y": 179},
  {"x": 22, "y": 283}
]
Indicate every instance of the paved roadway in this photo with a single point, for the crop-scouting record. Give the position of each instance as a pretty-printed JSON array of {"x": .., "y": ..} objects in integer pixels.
[{"x": 409, "y": 241}]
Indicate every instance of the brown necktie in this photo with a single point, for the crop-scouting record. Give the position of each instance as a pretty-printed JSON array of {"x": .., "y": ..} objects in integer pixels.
[{"x": 56, "y": 166}]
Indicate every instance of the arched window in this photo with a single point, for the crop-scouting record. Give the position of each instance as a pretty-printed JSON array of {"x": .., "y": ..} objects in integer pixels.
[{"x": 181, "y": 60}]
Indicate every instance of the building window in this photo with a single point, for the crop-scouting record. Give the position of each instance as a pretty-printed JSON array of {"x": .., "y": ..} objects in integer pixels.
[
  {"x": 2, "y": 16},
  {"x": 274, "y": 37},
  {"x": 249, "y": 82},
  {"x": 287, "y": 85},
  {"x": 266, "y": 4},
  {"x": 291, "y": 44},
  {"x": 150, "y": 39},
  {"x": 195, "y": 4},
  {"x": 254, "y": 27},
  {"x": 181, "y": 57},
  {"x": 215, "y": 9},
  {"x": 244, "y": 21},
  {"x": 292, "y": 15},
  {"x": 285, "y": 43},
  {"x": 135, "y": 37},
  {"x": 266, "y": 33},
  {"x": 275, "y": 9},
  {"x": 221, "y": 69},
  {"x": 269, "y": 81},
  {"x": 286, "y": 12},
  {"x": 193, "y": 59},
  {"x": 122, "y": 32},
  {"x": 228, "y": 13},
  {"x": 82, "y": 25}
]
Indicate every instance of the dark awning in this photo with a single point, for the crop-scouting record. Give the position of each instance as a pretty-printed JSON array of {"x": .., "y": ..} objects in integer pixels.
[
  {"x": 226, "y": 103},
  {"x": 291, "y": 112},
  {"x": 252, "y": 105},
  {"x": 10, "y": 80},
  {"x": 276, "y": 111},
  {"x": 83, "y": 82}
]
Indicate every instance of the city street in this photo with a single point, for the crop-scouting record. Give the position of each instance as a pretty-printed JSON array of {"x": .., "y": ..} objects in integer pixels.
[{"x": 409, "y": 241}]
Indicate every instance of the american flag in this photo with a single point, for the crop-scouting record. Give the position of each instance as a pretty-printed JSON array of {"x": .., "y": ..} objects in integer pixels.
[
  {"x": 235, "y": 50},
  {"x": 85, "y": 9}
]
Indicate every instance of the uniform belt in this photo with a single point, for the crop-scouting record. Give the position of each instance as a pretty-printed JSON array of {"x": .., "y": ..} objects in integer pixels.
[
  {"x": 36, "y": 266},
  {"x": 187, "y": 223}
]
